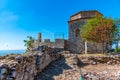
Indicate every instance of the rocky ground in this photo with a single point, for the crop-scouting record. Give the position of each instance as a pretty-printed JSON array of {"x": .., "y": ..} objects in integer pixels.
[{"x": 69, "y": 67}]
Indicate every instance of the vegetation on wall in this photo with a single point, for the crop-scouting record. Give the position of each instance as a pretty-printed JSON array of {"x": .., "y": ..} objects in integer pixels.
[{"x": 99, "y": 30}]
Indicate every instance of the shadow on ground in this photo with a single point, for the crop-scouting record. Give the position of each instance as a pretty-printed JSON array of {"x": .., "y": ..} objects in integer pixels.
[
  {"x": 80, "y": 64},
  {"x": 54, "y": 69}
]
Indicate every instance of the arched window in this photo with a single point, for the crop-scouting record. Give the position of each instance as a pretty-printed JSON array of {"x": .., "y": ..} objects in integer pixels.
[{"x": 77, "y": 32}]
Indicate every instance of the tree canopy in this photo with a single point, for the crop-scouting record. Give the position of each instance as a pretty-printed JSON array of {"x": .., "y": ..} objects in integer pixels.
[
  {"x": 29, "y": 43},
  {"x": 99, "y": 30}
]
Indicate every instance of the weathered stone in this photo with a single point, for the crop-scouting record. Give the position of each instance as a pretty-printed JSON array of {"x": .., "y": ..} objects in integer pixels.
[
  {"x": 75, "y": 43},
  {"x": 25, "y": 67}
]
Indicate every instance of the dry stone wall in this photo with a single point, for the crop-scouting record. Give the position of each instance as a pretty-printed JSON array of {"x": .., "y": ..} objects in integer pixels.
[{"x": 25, "y": 67}]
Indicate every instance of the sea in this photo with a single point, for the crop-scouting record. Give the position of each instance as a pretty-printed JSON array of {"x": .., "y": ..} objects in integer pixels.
[{"x": 5, "y": 52}]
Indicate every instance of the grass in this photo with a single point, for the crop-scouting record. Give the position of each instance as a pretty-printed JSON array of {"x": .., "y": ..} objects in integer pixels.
[{"x": 93, "y": 55}]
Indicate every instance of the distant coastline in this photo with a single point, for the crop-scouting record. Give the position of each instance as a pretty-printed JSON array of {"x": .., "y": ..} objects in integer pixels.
[{"x": 5, "y": 52}]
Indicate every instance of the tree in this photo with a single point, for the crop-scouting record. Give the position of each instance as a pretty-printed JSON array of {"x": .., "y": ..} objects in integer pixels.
[
  {"x": 117, "y": 37},
  {"x": 99, "y": 30},
  {"x": 29, "y": 43}
]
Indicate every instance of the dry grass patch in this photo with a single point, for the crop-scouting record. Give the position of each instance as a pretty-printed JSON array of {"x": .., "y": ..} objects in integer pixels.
[{"x": 92, "y": 55}]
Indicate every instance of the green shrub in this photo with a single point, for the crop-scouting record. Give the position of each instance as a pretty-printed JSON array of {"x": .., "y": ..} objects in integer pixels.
[{"x": 117, "y": 50}]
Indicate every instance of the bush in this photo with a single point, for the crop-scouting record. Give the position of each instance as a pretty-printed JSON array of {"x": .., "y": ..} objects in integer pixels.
[{"x": 117, "y": 50}]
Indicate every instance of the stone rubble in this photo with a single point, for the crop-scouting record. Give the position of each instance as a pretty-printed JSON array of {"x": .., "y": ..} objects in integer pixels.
[
  {"x": 32, "y": 66},
  {"x": 110, "y": 60},
  {"x": 67, "y": 68},
  {"x": 26, "y": 66}
]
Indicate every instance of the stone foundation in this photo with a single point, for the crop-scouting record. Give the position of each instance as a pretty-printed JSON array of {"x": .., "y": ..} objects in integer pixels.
[{"x": 25, "y": 67}]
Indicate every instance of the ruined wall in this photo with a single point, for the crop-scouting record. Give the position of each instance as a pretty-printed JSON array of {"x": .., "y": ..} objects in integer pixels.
[
  {"x": 25, "y": 67},
  {"x": 76, "y": 45},
  {"x": 58, "y": 43}
]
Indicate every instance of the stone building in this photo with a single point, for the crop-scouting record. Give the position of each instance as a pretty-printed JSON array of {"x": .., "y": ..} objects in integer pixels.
[
  {"x": 58, "y": 43},
  {"x": 76, "y": 45}
]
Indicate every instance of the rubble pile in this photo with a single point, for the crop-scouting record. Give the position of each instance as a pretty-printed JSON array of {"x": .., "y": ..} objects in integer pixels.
[
  {"x": 110, "y": 60},
  {"x": 67, "y": 68},
  {"x": 25, "y": 66}
]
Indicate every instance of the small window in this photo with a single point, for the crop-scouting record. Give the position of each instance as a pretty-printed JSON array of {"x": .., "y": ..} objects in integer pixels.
[{"x": 77, "y": 32}]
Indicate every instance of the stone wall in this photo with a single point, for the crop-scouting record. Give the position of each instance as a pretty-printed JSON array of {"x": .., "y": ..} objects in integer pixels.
[
  {"x": 58, "y": 43},
  {"x": 75, "y": 43},
  {"x": 26, "y": 66}
]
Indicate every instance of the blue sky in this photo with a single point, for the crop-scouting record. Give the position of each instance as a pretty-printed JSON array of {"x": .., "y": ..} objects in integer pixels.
[{"x": 21, "y": 18}]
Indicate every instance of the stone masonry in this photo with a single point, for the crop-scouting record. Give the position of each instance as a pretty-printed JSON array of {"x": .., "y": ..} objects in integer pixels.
[
  {"x": 27, "y": 66},
  {"x": 58, "y": 43},
  {"x": 76, "y": 45}
]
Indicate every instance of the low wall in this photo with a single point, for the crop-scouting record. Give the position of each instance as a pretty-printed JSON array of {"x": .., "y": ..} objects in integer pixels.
[
  {"x": 25, "y": 67},
  {"x": 58, "y": 43}
]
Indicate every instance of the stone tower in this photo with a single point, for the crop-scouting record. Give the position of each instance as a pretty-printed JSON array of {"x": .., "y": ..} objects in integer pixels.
[
  {"x": 76, "y": 45},
  {"x": 39, "y": 38}
]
